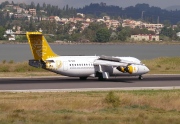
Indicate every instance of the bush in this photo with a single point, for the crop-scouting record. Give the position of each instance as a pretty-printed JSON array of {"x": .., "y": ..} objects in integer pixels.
[
  {"x": 4, "y": 61},
  {"x": 11, "y": 62},
  {"x": 112, "y": 99},
  {"x": 4, "y": 69}
]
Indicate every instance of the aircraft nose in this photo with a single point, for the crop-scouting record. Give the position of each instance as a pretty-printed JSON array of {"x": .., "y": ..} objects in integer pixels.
[{"x": 146, "y": 69}]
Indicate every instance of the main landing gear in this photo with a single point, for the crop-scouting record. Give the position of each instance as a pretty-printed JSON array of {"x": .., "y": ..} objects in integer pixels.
[
  {"x": 100, "y": 78},
  {"x": 82, "y": 78},
  {"x": 140, "y": 77}
]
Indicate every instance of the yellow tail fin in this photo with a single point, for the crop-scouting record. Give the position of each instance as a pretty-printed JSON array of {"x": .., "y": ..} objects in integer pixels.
[{"x": 39, "y": 46}]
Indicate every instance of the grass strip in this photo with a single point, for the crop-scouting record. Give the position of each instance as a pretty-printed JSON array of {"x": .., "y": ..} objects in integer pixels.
[{"x": 132, "y": 107}]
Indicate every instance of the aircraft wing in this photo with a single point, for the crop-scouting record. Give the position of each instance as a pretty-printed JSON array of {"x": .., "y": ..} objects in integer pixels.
[
  {"x": 105, "y": 64},
  {"x": 111, "y": 61}
]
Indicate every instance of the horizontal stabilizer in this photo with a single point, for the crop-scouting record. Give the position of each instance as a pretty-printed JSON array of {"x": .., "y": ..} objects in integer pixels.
[{"x": 36, "y": 63}]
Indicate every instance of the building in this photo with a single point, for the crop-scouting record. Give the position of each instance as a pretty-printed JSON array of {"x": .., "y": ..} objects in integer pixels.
[
  {"x": 145, "y": 37},
  {"x": 9, "y": 5},
  {"x": 32, "y": 12},
  {"x": 106, "y": 17},
  {"x": 10, "y": 35},
  {"x": 54, "y": 18},
  {"x": 178, "y": 34},
  {"x": 81, "y": 14},
  {"x": 19, "y": 10},
  {"x": 129, "y": 23},
  {"x": 18, "y": 16},
  {"x": 153, "y": 27},
  {"x": 115, "y": 23},
  {"x": 100, "y": 20},
  {"x": 64, "y": 20}
]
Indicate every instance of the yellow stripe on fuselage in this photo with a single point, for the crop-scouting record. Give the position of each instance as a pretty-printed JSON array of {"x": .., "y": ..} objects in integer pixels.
[{"x": 39, "y": 46}]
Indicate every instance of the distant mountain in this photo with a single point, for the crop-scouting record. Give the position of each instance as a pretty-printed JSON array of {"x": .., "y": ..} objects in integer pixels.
[{"x": 173, "y": 8}]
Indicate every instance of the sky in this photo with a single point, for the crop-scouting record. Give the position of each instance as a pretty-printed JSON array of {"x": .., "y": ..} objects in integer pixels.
[{"x": 122, "y": 3}]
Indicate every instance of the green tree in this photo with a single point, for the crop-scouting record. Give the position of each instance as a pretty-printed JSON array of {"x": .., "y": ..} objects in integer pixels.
[
  {"x": 32, "y": 6},
  {"x": 178, "y": 24},
  {"x": 12, "y": 2},
  {"x": 78, "y": 26},
  {"x": 75, "y": 37},
  {"x": 44, "y": 6},
  {"x": 32, "y": 25},
  {"x": 137, "y": 31},
  {"x": 113, "y": 36},
  {"x": 103, "y": 35},
  {"x": 122, "y": 35},
  {"x": 167, "y": 32},
  {"x": 89, "y": 34},
  {"x": 119, "y": 28},
  {"x": 91, "y": 30},
  {"x": 167, "y": 23},
  {"x": 2, "y": 30},
  {"x": 38, "y": 7}
]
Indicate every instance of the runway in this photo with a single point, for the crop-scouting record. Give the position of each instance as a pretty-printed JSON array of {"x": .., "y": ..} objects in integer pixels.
[{"x": 74, "y": 84}]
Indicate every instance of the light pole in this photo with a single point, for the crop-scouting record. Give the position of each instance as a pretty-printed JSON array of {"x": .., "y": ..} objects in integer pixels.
[{"x": 142, "y": 15}]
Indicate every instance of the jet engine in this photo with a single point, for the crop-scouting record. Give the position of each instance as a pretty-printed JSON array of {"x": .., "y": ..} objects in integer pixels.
[{"x": 129, "y": 69}]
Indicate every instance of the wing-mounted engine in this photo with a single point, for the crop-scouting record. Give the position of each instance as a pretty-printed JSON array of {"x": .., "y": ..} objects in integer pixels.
[{"x": 128, "y": 69}]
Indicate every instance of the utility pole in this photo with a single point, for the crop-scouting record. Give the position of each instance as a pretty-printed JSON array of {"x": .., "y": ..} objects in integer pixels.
[
  {"x": 158, "y": 20},
  {"x": 142, "y": 15}
]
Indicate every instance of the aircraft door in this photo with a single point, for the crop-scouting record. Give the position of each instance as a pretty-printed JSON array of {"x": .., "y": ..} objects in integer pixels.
[{"x": 65, "y": 65}]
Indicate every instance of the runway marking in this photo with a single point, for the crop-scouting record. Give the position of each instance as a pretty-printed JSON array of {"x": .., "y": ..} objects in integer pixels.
[
  {"x": 93, "y": 89},
  {"x": 60, "y": 76}
]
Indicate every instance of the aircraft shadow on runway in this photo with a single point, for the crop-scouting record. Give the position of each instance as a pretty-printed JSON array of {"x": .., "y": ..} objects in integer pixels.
[{"x": 76, "y": 80}]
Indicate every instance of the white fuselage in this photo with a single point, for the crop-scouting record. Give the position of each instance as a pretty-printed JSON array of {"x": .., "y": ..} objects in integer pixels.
[{"x": 85, "y": 66}]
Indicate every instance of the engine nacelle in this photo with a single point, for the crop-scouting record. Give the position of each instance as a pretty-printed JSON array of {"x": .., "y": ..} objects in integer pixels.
[
  {"x": 129, "y": 69},
  {"x": 121, "y": 69}
]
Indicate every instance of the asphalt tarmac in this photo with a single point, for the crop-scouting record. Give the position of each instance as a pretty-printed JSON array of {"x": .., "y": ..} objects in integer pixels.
[{"x": 73, "y": 83}]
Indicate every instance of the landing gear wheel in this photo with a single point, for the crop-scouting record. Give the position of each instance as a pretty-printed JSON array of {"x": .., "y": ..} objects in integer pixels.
[
  {"x": 82, "y": 78},
  {"x": 140, "y": 77},
  {"x": 100, "y": 78}
]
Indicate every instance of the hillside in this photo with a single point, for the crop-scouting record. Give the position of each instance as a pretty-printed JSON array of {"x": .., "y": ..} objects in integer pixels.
[
  {"x": 140, "y": 11},
  {"x": 173, "y": 8}
]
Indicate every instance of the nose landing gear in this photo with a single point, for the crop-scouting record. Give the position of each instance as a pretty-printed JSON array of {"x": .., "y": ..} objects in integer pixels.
[{"x": 140, "y": 77}]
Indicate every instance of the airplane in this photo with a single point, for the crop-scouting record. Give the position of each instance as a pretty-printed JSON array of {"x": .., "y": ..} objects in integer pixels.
[{"x": 102, "y": 67}]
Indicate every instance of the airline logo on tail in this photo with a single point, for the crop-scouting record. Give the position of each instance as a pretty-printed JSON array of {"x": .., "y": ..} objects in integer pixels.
[{"x": 39, "y": 46}]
